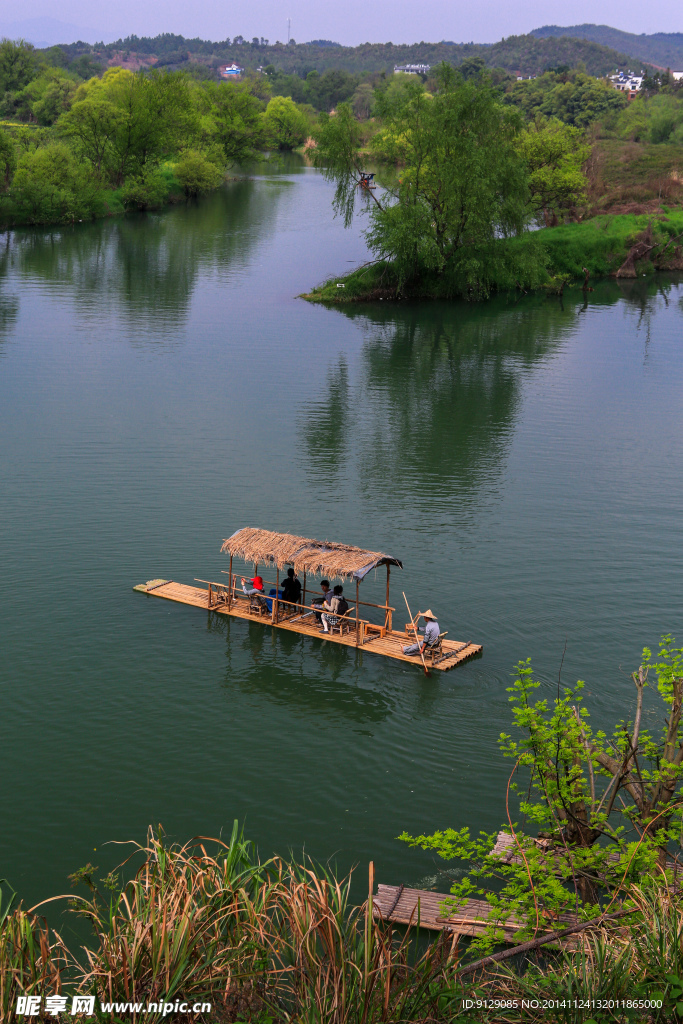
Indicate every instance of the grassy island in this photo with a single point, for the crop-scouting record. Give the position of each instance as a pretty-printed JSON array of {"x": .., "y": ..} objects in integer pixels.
[
  {"x": 619, "y": 245},
  {"x": 466, "y": 168}
]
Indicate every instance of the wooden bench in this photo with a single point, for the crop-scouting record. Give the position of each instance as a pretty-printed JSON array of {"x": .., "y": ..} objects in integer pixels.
[{"x": 344, "y": 623}]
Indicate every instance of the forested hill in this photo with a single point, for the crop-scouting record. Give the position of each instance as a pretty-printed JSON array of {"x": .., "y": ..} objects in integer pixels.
[
  {"x": 522, "y": 55},
  {"x": 663, "y": 49}
]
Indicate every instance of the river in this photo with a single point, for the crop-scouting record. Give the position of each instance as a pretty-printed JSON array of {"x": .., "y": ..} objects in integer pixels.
[{"x": 161, "y": 385}]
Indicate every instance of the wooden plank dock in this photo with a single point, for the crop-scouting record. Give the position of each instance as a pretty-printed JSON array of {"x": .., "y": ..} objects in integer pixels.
[
  {"x": 421, "y": 906},
  {"x": 374, "y": 639}
]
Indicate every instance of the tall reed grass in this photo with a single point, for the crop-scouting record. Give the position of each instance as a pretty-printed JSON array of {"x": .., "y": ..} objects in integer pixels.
[
  {"x": 282, "y": 942},
  {"x": 31, "y": 960}
]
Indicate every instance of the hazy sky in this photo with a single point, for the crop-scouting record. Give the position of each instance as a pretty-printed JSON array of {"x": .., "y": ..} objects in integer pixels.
[{"x": 346, "y": 21}]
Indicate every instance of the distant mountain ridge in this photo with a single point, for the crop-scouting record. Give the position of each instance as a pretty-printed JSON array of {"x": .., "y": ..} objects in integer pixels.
[
  {"x": 661, "y": 49},
  {"x": 520, "y": 55}
]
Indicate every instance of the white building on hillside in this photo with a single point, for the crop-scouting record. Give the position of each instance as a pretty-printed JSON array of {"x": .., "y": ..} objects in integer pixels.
[
  {"x": 412, "y": 69},
  {"x": 628, "y": 83}
]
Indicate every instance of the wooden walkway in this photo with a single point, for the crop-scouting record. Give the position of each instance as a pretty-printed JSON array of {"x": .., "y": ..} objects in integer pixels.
[
  {"x": 420, "y": 906},
  {"x": 389, "y": 644}
]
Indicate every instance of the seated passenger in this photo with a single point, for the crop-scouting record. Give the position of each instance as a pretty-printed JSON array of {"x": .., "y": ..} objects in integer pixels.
[
  {"x": 431, "y": 634},
  {"x": 291, "y": 588},
  {"x": 337, "y": 606},
  {"x": 256, "y": 590},
  {"x": 327, "y": 597}
]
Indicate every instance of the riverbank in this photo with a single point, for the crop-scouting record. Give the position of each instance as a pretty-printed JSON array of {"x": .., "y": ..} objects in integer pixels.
[
  {"x": 57, "y": 192},
  {"x": 622, "y": 245},
  {"x": 212, "y": 927}
]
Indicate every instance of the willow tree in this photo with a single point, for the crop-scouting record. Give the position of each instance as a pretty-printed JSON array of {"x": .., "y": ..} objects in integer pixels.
[{"x": 462, "y": 186}]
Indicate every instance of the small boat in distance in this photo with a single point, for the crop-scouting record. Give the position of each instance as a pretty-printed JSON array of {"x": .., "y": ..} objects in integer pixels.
[{"x": 310, "y": 558}]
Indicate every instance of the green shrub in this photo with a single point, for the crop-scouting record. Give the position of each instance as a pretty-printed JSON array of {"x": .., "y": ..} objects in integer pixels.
[
  {"x": 8, "y": 159},
  {"x": 197, "y": 173},
  {"x": 145, "y": 191},
  {"x": 50, "y": 186}
]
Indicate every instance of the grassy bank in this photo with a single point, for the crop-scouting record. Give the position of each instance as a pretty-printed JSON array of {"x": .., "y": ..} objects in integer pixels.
[
  {"x": 280, "y": 943},
  {"x": 601, "y": 245}
]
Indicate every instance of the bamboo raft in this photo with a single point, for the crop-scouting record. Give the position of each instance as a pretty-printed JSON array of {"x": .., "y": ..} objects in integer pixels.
[
  {"x": 371, "y": 637},
  {"x": 307, "y": 557},
  {"x": 423, "y": 908}
]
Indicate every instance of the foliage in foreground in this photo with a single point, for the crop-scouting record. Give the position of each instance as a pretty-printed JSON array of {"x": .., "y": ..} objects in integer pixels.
[
  {"x": 281, "y": 943},
  {"x": 605, "y": 810},
  {"x": 264, "y": 941}
]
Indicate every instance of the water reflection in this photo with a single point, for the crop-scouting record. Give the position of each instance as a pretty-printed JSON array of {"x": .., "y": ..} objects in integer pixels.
[
  {"x": 437, "y": 394},
  {"x": 314, "y": 677},
  {"x": 144, "y": 267},
  {"x": 9, "y": 304},
  {"x": 325, "y": 428}
]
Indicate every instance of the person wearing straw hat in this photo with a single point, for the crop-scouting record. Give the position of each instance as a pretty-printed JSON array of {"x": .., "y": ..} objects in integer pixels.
[{"x": 431, "y": 633}]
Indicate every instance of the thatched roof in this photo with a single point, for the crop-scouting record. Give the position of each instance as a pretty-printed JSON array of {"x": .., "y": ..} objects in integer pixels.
[{"x": 317, "y": 557}]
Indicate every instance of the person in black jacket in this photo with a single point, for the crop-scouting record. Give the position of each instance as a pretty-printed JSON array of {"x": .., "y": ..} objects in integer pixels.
[{"x": 291, "y": 588}]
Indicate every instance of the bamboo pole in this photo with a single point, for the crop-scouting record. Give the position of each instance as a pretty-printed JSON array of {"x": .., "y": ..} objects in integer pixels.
[
  {"x": 387, "y": 614},
  {"x": 417, "y": 638},
  {"x": 304, "y": 597},
  {"x": 230, "y": 585},
  {"x": 277, "y": 591},
  {"x": 357, "y": 635}
]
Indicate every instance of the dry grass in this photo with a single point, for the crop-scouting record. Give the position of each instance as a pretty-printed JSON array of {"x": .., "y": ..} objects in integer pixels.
[
  {"x": 633, "y": 177},
  {"x": 281, "y": 942},
  {"x": 325, "y": 558},
  {"x": 207, "y": 922},
  {"x": 32, "y": 961}
]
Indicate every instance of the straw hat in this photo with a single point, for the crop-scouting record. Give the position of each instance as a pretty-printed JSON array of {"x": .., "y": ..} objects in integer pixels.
[{"x": 429, "y": 614}]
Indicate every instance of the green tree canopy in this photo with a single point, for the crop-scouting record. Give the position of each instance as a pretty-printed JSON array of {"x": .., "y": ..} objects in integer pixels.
[
  {"x": 286, "y": 126},
  {"x": 554, "y": 153},
  {"x": 50, "y": 185},
  {"x": 8, "y": 159},
  {"x": 463, "y": 183},
  {"x": 125, "y": 121},
  {"x": 197, "y": 173},
  {"x": 18, "y": 65},
  {"x": 574, "y": 97},
  {"x": 234, "y": 117}
]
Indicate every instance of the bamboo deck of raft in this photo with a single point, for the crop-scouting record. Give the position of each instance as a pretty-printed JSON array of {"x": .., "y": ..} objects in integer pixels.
[
  {"x": 373, "y": 639},
  {"x": 424, "y": 908}
]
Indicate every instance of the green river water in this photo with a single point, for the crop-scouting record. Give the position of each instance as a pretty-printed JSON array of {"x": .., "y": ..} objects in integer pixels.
[{"x": 161, "y": 386}]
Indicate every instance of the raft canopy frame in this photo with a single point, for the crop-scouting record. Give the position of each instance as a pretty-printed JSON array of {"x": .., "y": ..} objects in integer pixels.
[{"x": 313, "y": 557}]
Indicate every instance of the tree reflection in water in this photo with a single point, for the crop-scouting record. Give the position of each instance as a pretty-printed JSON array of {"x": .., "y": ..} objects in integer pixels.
[
  {"x": 9, "y": 304},
  {"x": 144, "y": 267},
  {"x": 432, "y": 412}
]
